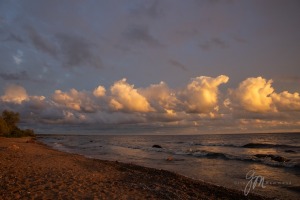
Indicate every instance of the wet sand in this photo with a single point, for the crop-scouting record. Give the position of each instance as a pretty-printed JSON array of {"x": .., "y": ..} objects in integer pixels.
[{"x": 31, "y": 170}]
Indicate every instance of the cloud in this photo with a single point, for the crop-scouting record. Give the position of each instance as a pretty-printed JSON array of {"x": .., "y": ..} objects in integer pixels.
[
  {"x": 178, "y": 64},
  {"x": 77, "y": 51},
  {"x": 99, "y": 91},
  {"x": 252, "y": 106},
  {"x": 74, "y": 100},
  {"x": 253, "y": 94},
  {"x": 40, "y": 42},
  {"x": 140, "y": 34},
  {"x": 286, "y": 101},
  {"x": 23, "y": 75},
  {"x": 213, "y": 42},
  {"x": 14, "y": 94},
  {"x": 73, "y": 51},
  {"x": 288, "y": 79},
  {"x": 151, "y": 9},
  {"x": 11, "y": 37},
  {"x": 18, "y": 57},
  {"x": 161, "y": 97},
  {"x": 201, "y": 94},
  {"x": 125, "y": 98}
]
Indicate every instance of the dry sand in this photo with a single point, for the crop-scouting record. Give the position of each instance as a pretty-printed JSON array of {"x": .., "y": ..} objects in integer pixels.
[{"x": 31, "y": 170}]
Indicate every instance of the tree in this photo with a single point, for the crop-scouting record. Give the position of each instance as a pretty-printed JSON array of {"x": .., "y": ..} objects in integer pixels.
[
  {"x": 8, "y": 125},
  {"x": 11, "y": 118},
  {"x": 4, "y": 129}
]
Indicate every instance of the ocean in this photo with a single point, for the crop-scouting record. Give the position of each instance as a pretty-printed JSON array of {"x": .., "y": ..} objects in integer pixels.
[{"x": 266, "y": 164}]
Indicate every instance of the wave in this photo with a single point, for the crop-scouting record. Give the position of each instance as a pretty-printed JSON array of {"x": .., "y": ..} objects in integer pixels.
[
  {"x": 268, "y": 159},
  {"x": 250, "y": 145},
  {"x": 213, "y": 145},
  {"x": 266, "y": 145}
]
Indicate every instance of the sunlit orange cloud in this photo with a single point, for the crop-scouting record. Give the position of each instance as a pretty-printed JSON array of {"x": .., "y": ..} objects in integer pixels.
[
  {"x": 126, "y": 98},
  {"x": 286, "y": 101},
  {"x": 253, "y": 94},
  {"x": 161, "y": 97},
  {"x": 99, "y": 91},
  {"x": 201, "y": 94},
  {"x": 14, "y": 94},
  {"x": 75, "y": 100},
  {"x": 253, "y": 103}
]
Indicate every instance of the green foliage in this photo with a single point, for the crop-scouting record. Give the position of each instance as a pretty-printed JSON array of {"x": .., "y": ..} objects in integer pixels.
[
  {"x": 4, "y": 129},
  {"x": 11, "y": 118},
  {"x": 9, "y": 128}
]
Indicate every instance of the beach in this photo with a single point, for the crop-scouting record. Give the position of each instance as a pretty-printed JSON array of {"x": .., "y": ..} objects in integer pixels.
[{"x": 31, "y": 170}]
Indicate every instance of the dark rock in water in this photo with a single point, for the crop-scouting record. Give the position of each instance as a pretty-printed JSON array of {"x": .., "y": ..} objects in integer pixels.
[
  {"x": 257, "y": 145},
  {"x": 156, "y": 146},
  {"x": 261, "y": 155},
  {"x": 280, "y": 159},
  {"x": 290, "y": 151},
  {"x": 273, "y": 157}
]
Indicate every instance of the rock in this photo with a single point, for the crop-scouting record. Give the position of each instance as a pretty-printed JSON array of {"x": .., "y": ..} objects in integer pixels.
[
  {"x": 279, "y": 159},
  {"x": 290, "y": 151},
  {"x": 273, "y": 157},
  {"x": 170, "y": 158},
  {"x": 261, "y": 155},
  {"x": 156, "y": 146}
]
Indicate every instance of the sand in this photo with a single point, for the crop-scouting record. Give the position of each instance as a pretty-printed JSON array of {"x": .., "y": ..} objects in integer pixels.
[{"x": 31, "y": 170}]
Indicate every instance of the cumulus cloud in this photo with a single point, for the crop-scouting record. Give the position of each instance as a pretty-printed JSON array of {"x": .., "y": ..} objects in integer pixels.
[
  {"x": 75, "y": 100},
  {"x": 201, "y": 94},
  {"x": 161, "y": 97},
  {"x": 99, "y": 91},
  {"x": 253, "y": 105},
  {"x": 253, "y": 94},
  {"x": 286, "y": 101},
  {"x": 14, "y": 94},
  {"x": 126, "y": 98}
]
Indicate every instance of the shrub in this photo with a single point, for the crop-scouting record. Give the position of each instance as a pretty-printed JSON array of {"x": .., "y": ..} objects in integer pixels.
[
  {"x": 4, "y": 129},
  {"x": 9, "y": 128}
]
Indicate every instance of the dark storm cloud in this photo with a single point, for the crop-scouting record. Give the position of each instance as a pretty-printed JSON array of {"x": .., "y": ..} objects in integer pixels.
[
  {"x": 41, "y": 43},
  {"x": 239, "y": 39},
  {"x": 15, "y": 76},
  {"x": 14, "y": 38},
  {"x": 178, "y": 64},
  {"x": 152, "y": 9},
  {"x": 212, "y": 43},
  {"x": 140, "y": 33},
  {"x": 20, "y": 76},
  {"x": 77, "y": 51},
  {"x": 7, "y": 34}
]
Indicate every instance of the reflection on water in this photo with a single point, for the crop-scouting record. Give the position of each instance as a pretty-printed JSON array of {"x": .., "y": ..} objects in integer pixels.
[{"x": 219, "y": 159}]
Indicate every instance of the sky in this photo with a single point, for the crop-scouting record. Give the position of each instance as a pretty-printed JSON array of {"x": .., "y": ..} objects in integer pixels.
[{"x": 198, "y": 66}]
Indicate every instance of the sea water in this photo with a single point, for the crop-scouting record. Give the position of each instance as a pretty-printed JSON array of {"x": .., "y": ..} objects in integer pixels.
[{"x": 266, "y": 164}]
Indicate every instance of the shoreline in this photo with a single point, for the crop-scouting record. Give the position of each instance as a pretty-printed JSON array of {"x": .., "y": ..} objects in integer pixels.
[{"x": 30, "y": 169}]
